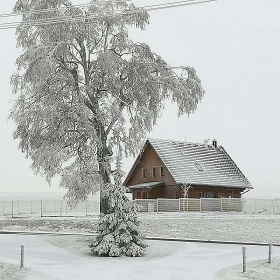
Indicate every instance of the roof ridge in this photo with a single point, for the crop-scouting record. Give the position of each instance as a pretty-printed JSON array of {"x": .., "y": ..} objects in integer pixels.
[{"x": 180, "y": 142}]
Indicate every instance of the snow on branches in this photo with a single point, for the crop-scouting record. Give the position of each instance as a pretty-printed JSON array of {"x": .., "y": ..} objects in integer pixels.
[
  {"x": 84, "y": 89},
  {"x": 118, "y": 229}
]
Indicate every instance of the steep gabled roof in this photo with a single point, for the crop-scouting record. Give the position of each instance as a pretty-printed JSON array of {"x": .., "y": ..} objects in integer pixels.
[
  {"x": 202, "y": 164},
  {"x": 198, "y": 164}
]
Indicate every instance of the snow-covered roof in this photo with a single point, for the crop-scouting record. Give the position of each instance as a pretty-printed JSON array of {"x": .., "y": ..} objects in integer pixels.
[
  {"x": 199, "y": 163},
  {"x": 203, "y": 164}
]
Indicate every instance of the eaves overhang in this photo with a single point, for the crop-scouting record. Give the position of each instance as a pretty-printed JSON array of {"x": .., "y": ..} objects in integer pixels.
[
  {"x": 216, "y": 185},
  {"x": 147, "y": 185}
]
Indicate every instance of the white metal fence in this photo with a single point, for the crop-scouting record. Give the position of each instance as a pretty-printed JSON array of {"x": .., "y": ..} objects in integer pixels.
[
  {"x": 47, "y": 208},
  {"x": 247, "y": 205},
  {"x": 189, "y": 204},
  {"x": 253, "y": 205},
  {"x": 59, "y": 208}
]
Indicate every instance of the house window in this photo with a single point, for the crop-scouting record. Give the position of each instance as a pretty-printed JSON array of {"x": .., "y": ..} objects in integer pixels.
[
  {"x": 144, "y": 172},
  {"x": 198, "y": 166},
  {"x": 199, "y": 195},
  {"x": 154, "y": 171},
  {"x": 162, "y": 171},
  {"x": 208, "y": 194},
  {"x": 221, "y": 195}
]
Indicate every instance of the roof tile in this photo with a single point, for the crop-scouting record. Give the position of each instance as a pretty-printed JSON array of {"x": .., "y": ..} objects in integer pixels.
[{"x": 181, "y": 159}]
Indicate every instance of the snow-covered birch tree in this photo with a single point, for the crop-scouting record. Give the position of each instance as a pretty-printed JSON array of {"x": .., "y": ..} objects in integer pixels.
[{"x": 84, "y": 88}]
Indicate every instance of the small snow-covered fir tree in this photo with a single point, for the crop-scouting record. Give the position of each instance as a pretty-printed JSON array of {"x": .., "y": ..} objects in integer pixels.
[{"x": 118, "y": 229}]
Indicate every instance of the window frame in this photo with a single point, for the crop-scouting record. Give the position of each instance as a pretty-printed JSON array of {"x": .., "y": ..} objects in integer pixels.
[
  {"x": 198, "y": 166},
  {"x": 199, "y": 195},
  {"x": 208, "y": 194},
  {"x": 144, "y": 172},
  {"x": 154, "y": 171},
  {"x": 162, "y": 171}
]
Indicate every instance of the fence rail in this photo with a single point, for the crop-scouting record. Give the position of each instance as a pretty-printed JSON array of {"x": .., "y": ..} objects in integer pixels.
[
  {"x": 47, "y": 208},
  {"x": 256, "y": 205},
  {"x": 247, "y": 205},
  {"x": 59, "y": 208},
  {"x": 189, "y": 204}
]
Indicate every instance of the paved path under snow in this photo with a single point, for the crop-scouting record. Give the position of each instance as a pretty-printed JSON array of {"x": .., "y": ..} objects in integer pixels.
[{"x": 164, "y": 260}]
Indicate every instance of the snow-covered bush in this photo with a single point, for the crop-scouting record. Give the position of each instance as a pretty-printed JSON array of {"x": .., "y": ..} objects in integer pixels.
[{"x": 118, "y": 229}]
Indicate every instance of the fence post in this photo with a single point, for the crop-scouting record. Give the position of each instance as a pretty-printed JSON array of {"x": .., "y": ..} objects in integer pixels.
[
  {"x": 21, "y": 256},
  {"x": 12, "y": 208},
  {"x": 41, "y": 208},
  {"x": 31, "y": 207},
  {"x": 244, "y": 259},
  {"x": 86, "y": 208},
  {"x": 200, "y": 204},
  {"x": 61, "y": 207},
  {"x": 255, "y": 205},
  {"x": 269, "y": 252},
  {"x": 221, "y": 204},
  {"x": 157, "y": 205}
]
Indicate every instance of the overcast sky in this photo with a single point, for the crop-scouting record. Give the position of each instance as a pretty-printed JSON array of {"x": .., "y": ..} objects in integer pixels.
[{"x": 234, "y": 45}]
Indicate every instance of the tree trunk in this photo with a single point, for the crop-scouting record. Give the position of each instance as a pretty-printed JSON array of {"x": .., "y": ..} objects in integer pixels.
[{"x": 103, "y": 157}]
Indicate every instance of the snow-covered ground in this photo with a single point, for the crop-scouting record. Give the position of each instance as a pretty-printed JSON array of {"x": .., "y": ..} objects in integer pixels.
[
  {"x": 56, "y": 257},
  {"x": 163, "y": 260}
]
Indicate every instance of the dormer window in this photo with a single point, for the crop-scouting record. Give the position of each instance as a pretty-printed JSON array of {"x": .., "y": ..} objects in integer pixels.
[
  {"x": 162, "y": 171},
  {"x": 198, "y": 166}
]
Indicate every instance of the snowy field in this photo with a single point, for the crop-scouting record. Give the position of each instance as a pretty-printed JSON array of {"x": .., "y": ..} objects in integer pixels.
[{"x": 56, "y": 257}]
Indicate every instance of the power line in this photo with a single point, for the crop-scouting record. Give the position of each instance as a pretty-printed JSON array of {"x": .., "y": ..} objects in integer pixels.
[
  {"x": 56, "y": 9},
  {"x": 174, "y": 4},
  {"x": 40, "y": 11},
  {"x": 82, "y": 18},
  {"x": 63, "y": 19},
  {"x": 98, "y": 16}
]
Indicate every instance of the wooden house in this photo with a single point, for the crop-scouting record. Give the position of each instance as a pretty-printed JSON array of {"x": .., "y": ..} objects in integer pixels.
[{"x": 173, "y": 169}]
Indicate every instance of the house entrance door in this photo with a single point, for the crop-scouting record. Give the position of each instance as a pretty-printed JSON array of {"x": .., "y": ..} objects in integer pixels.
[{"x": 138, "y": 194}]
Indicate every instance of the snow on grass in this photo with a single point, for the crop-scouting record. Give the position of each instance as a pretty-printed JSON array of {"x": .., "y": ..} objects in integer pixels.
[
  {"x": 79, "y": 245},
  {"x": 258, "y": 270},
  {"x": 12, "y": 272},
  {"x": 240, "y": 227},
  {"x": 207, "y": 226}
]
